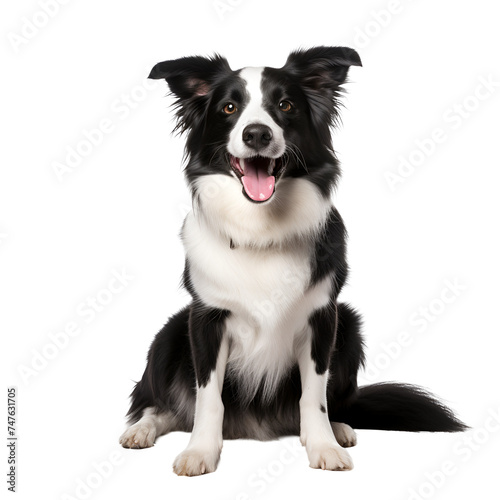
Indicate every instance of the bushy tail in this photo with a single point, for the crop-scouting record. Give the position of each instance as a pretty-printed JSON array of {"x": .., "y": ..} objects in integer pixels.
[{"x": 398, "y": 407}]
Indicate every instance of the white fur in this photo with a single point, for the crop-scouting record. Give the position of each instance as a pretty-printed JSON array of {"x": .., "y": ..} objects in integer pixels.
[
  {"x": 203, "y": 451},
  {"x": 265, "y": 280},
  {"x": 254, "y": 113},
  {"x": 144, "y": 432},
  {"x": 316, "y": 432},
  {"x": 264, "y": 346},
  {"x": 297, "y": 210}
]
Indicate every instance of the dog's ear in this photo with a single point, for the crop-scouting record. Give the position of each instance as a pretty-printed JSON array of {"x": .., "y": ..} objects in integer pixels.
[
  {"x": 191, "y": 77},
  {"x": 322, "y": 68},
  {"x": 321, "y": 71}
]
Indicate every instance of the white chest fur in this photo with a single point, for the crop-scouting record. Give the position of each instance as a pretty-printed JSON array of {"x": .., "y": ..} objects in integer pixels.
[{"x": 265, "y": 287}]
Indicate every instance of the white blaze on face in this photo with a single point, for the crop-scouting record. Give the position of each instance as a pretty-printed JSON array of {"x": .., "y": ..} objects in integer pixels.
[{"x": 254, "y": 113}]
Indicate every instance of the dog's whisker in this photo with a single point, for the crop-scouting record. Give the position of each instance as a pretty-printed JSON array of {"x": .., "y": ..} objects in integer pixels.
[
  {"x": 297, "y": 153},
  {"x": 215, "y": 153}
]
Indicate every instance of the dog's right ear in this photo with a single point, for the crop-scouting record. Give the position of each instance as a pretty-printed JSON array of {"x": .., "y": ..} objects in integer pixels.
[{"x": 191, "y": 77}]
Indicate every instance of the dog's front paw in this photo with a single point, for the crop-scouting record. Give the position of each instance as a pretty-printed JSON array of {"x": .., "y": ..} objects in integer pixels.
[
  {"x": 138, "y": 436},
  {"x": 344, "y": 434},
  {"x": 194, "y": 462},
  {"x": 329, "y": 457}
]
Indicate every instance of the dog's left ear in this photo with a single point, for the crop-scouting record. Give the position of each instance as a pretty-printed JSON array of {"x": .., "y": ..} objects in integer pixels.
[
  {"x": 191, "y": 77},
  {"x": 322, "y": 68},
  {"x": 321, "y": 72}
]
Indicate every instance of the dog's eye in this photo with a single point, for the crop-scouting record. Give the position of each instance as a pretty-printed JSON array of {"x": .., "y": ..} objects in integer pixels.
[
  {"x": 285, "y": 106},
  {"x": 229, "y": 108}
]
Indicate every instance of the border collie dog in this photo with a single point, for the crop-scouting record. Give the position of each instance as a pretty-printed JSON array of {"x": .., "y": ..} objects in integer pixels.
[{"x": 265, "y": 349}]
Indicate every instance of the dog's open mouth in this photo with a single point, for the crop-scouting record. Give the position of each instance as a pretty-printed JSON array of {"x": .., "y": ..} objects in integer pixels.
[{"x": 258, "y": 175}]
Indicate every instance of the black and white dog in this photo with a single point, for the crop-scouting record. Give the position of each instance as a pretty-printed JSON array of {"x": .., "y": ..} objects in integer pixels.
[{"x": 265, "y": 349}]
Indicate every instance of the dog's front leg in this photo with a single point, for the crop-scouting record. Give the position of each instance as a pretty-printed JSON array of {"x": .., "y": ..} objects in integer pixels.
[
  {"x": 316, "y": 433},
  {"x": 209, "y": 347}
]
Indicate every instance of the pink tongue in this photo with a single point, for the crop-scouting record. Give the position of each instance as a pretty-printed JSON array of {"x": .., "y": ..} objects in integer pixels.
[{"x": 258, "y": 185}]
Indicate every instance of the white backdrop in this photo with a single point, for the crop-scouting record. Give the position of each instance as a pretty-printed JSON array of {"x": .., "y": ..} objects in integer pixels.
[{"x": 92, "y": 197}]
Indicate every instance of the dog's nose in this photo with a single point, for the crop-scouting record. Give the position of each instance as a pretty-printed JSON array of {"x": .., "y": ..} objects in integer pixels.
[{"x": 257, "y": 136}]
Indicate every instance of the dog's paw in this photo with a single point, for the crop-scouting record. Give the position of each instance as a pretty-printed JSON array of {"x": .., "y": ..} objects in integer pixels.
[
  {"x": 194, "y": 462},
  {"x": 344, "y": 434},
  {"x": 330, "y": 457},
  {"x": 138, "y": 436}
]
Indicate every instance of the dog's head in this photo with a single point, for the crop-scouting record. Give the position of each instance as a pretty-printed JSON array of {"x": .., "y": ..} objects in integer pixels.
[{"x": 260, "y": 125}]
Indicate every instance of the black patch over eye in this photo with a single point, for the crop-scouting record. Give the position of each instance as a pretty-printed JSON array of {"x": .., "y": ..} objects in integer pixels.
[
  {"x": 285, "y": 106},
  {"x": 230, "y": 108}
]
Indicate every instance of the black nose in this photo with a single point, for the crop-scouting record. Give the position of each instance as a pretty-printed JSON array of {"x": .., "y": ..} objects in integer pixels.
[{"x": 257, "y": 136}]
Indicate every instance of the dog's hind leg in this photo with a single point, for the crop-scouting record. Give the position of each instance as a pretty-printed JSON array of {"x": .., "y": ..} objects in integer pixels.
[
  {"x": 163, "y": 400},
  {"x": 345, "y": 362},
  {"x": 151, "y": 425},
  {"x": 344, "y": 434}
]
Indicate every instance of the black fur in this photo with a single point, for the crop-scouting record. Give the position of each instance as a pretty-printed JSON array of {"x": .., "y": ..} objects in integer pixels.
[
  {"x": 330, "y": 252},
  {"x": 398, "y": 407},
  {"x": 169, "y": 371},
  {"x": 323, "y": 324},
  {"x": 312, "y": 79},
  {"x": 184, "y": 352},
  {"x": 169, "y": 384},
  {"x": 205, "y": 335}
]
